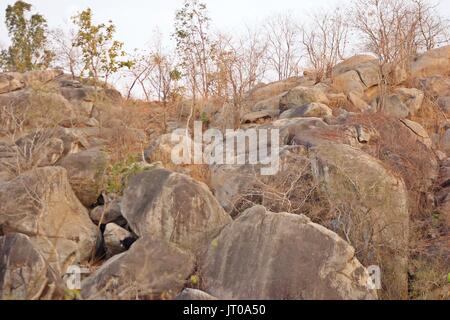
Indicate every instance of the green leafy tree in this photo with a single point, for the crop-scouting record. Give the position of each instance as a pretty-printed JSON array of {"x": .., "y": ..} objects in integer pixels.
[
  {"x": 195, "y": 49},
  {"x": 102, "y": 55},
  {"x": 28, "y": 39}
]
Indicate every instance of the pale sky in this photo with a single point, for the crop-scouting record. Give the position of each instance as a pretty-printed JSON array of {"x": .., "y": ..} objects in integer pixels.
[{"x": 136, "y": 20}]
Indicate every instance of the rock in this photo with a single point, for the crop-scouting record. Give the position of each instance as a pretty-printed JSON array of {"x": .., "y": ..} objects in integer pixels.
[
  {"x": 445, "y": 142},
  {"x": 81, "y": 97},
  {"x": 40, "y": 77},
  {"x": 40, "y": 149},
  {"x": 357, "y": 101},
  {"x": 114, "y": 237},
  {"x": 78, "y": 94},
  {"x": 436, "y": 86},
  {"x": 8, "y": 83},
  {"x": 24, "y": 272},
  {"x": 45, "y": 208},
  {"x": 444, "y": 104},
  {"x": 85, "y": 170},
  {"x": 418, "y": 130},
  {"x": 100, "y": 137},
  {"x": 270, "y": 104},
  {"x": 258, "y": 117},
  {"x": 356, "y": 74},
  {"x": 300, "y": 96},
  {"x": 37, "y": 108},
  {"x": 173, "y": 207},
  {"x": 220, "y": 115},
  {"x": 266, "y": 91},
  {"x": 395, "y": 107},
  {"x": 352, "y": 63},
  {"x": 366, "y": 191},
  {"x": 150, "y": 270},
  {"x": 108, "y": 213},
  {"x": 194, "y": 295},
  {"x": 72, "y": 142},
  {"x": 161, "y": 148},
  {"x": 312, "y": 110},
  {"x": 365, "y": 134},
  {"x": 412, "y": 98},
  {"x": 348, "y": 82},
  {"x": 264, "y": 256},
  {"x": 431, "y": 63},
  {"x": 232, "y": 183}
]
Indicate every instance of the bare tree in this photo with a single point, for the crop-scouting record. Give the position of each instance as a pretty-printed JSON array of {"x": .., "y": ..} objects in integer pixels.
[
  {"x": 67, "y": 55},
  {"x": 240, "y": 65},
  {"x": 283, "y": 52},
  {"x": 325, "y": 40},
  {"x": 154, "y": 72},
  {"x": 396, "y": 30},
  {"x": 433, "y": 28},
  {"x": 194, "y": 47}
]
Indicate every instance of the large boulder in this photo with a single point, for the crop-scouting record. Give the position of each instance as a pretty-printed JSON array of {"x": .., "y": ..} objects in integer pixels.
[
  {"x": 40, "y": 77},
  {"x": 85, "y": 170},
  {"x": 444, "y": 104},
  {"x": 264, "y": 255},
  {"x": 300, "y": 96},
  {"x": 110, "y": 212},
  {"x": 259, "y": 117},
  {"x": 9, "y": 83},
  {"x": 150, "y": 270},
  {"x": 233, "y": 183},
  {"x": 371, "y": 207},
  {"x": 353, "y": 63},
  {"x": 24, "y": 272},
  {"x": 312, "y": 110},
  {"x": 173, "y": 207},
  {"x": 36, "y": 107},
  {"x": 82, "y": 98},
  {"x": 435, "y": 86},
  {"x": 115, "y": 238},
  {"x": 431, "y": 63},
  {"x": 266, "y": 91},
  {"x": 412, "y": 98},
  {"x": 357, "y": 74},
  {"x": 41, "y": 204},
  {"x": 271, "y": 104},
  {"x": 394, "y": 106},
  {"x": 348, "y": 82}
]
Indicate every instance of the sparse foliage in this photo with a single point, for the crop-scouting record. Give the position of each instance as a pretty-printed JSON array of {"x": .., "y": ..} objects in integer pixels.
[
  {"x": 283, "y": 52},
  {"x": 102, "y": 55},
  {"x": 28, "y": 39},
  {"x": 325, "y": 40},
  {"x": 194, "y": 46}
]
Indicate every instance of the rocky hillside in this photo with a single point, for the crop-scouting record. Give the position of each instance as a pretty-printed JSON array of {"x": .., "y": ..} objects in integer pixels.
[{"x": 86, "y": 180}]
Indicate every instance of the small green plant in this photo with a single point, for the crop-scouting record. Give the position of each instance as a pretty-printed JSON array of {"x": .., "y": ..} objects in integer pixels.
[
  {"x": 195, "y": 280},
  {"x": 72, "y": 294},
  {"x": 204, "y": 118},
  {"x": 119, "y": 174}
]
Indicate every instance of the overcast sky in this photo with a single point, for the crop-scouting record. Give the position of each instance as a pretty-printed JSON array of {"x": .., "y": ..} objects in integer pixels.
[{"x": 137, "y": 19}]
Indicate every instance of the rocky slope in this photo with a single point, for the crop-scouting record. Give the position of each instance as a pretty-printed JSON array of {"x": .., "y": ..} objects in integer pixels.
[{"x": 361, "y": 183}]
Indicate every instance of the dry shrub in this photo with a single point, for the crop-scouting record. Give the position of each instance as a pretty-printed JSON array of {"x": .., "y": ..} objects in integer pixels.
[
  {"x": 404, "y": 155},
  {"x": 430, "y": 116},
  {"x": 401, "y": 152},
  {"x": 293, "y": 189}
]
